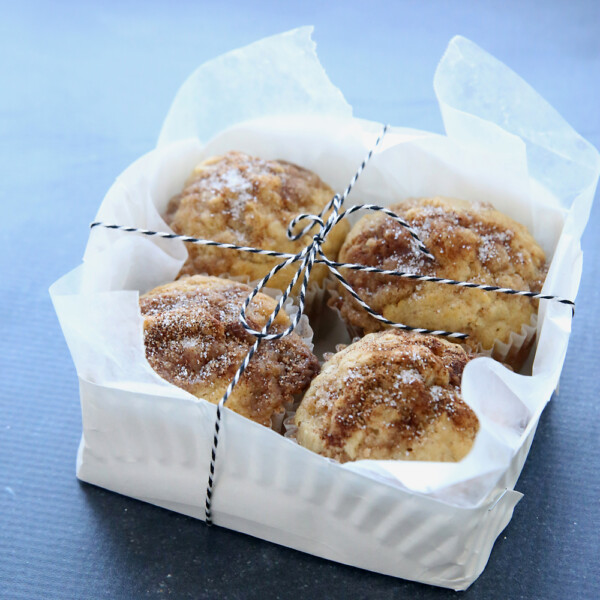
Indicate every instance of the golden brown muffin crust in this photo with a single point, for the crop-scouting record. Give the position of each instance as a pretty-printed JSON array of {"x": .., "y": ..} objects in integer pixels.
[
  {"x": 390, "y": 395},
  {"x": 194, "y": 340},
  {"x": 470, "y": 242},
  {"x": 247, "y": 201}
]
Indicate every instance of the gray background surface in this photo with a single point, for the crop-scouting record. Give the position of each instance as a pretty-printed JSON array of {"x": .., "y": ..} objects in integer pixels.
[{"x": 83, "y": 90}]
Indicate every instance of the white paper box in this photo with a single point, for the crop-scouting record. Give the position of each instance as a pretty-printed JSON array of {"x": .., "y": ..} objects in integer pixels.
[{"x": 142, "y": 437}]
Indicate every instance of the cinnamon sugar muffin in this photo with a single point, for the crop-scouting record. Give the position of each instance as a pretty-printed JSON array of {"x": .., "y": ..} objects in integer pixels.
[
  {"x": 247, "y": 201},
  {"x": 470, "y": 242},
  {"x": 194, "y": 340},
  {"x": 390, "y": 395}
]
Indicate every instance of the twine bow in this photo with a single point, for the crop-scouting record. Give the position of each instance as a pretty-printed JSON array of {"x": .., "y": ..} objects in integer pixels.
[{"x": 308, "y": 257}]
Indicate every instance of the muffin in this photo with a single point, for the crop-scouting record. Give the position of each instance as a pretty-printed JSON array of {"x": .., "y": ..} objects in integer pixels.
[
  {"x": 470, "y": 242},
  {"x": 390, "y": 395},
  {"x": 194, "y": 340},
  {"x": 247, "y": 201}
]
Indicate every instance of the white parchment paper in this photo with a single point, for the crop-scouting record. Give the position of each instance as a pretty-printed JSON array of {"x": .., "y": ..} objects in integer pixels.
[
  {"x": 504, "y": 145},
  {"x": 477, "y": 160}
]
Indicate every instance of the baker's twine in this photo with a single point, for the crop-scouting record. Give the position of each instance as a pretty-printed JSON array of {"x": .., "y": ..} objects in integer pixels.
[{"x": 307, "y": 258}]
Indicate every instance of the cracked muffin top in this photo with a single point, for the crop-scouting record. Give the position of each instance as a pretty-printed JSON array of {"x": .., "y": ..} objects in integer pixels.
[
  {"x": 390, "y": 395},
  {"x": 194, "y": 340},
  {"x": 247, "y": 201},
  {"x": 470, "y": 242}
]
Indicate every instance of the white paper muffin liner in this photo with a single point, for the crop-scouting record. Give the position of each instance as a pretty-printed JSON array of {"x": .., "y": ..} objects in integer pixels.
[
  {"x": 518, "y": 342},
  {"x": 290, "y": 429}
]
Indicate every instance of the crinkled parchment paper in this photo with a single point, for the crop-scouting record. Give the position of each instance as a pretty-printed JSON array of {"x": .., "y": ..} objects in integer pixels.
[{"x": 146, "y": 438}]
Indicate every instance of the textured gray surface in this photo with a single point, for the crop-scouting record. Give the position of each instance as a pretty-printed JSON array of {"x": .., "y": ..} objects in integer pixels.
[{"x": 84, "y": 90}]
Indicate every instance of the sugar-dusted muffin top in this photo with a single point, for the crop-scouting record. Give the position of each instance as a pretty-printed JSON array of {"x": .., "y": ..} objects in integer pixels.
[
  {"x": 194, "y": 340},
  {"x": 247, "y": 201},
  {"x": 390, "y": 395},
  {"x": 470, "y": 242}
]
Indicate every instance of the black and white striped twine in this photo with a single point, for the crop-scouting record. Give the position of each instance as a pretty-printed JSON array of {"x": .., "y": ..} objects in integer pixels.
[{"x": 310, "y": 255}]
